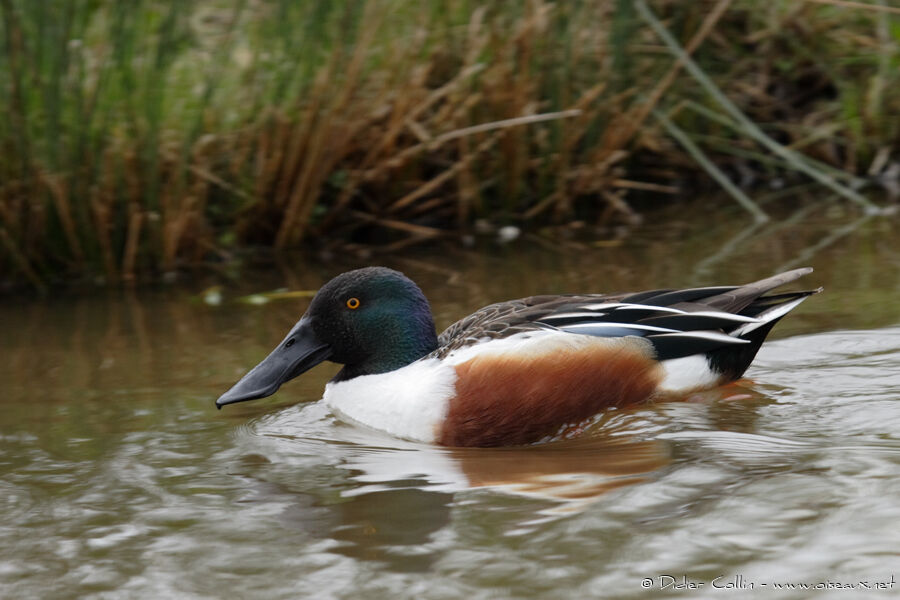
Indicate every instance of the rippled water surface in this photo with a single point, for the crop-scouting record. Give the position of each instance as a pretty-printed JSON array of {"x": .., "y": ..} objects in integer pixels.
[{"x": 118, "y": 478}]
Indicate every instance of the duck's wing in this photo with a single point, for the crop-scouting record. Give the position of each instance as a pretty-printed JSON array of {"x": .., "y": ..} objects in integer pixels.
[
  {"x": 505, "y": 319},
  {"x": 677, "y": 322}
]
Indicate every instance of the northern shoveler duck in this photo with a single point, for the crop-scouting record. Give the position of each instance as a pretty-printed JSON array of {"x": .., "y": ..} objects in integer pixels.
[{"x": 519, "y": 371}]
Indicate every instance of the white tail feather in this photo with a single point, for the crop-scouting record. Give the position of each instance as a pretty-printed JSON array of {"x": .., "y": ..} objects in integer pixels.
[{"x": 767, "y": 316}]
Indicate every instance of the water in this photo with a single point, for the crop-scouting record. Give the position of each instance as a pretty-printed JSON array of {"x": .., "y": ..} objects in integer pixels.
[{"x": 119, "y": 479}]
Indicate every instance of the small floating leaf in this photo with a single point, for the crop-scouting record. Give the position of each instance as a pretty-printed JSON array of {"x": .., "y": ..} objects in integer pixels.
[
  {"x": 255, "y": 299},
  {"x": 280, "y": 294}
]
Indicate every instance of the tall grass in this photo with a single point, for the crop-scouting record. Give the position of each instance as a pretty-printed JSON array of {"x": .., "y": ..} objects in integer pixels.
[{"x": 144, "y": 135}]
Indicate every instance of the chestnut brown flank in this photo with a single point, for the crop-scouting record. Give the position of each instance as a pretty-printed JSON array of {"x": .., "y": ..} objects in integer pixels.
[{"x": 504, "y": 400}]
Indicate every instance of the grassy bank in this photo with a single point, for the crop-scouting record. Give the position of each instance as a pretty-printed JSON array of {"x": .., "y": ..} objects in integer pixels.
[{"x": 145, "y": 135}]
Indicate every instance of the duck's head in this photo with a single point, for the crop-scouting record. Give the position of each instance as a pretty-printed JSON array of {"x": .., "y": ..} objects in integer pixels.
[{"x": 371, "y": 320}]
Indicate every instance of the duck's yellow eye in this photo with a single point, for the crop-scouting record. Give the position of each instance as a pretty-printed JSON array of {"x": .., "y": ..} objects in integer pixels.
[{"x": 353, "y": 303}]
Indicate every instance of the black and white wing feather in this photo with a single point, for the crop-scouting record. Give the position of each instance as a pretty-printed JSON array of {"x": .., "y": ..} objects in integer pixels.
[{"x": 678, "y": 323}]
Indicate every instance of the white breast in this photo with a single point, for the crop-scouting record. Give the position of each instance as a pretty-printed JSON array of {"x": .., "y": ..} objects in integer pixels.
[{"x": 410, "y": 402}]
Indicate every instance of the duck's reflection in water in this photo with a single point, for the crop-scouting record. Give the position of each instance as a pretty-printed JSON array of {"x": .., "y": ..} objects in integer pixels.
[
  {"x": 388, "y": 500},
  {"x": 567, "y": 474},
  {"x": 398, "y": 526}
]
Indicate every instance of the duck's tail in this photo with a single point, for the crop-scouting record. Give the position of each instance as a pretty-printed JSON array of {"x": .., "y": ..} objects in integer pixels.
[{"x": 732, "y": 361}]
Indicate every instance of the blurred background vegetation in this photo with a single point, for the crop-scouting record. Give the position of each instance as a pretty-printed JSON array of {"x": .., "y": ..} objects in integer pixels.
[{"x": 143, "y": 136}]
